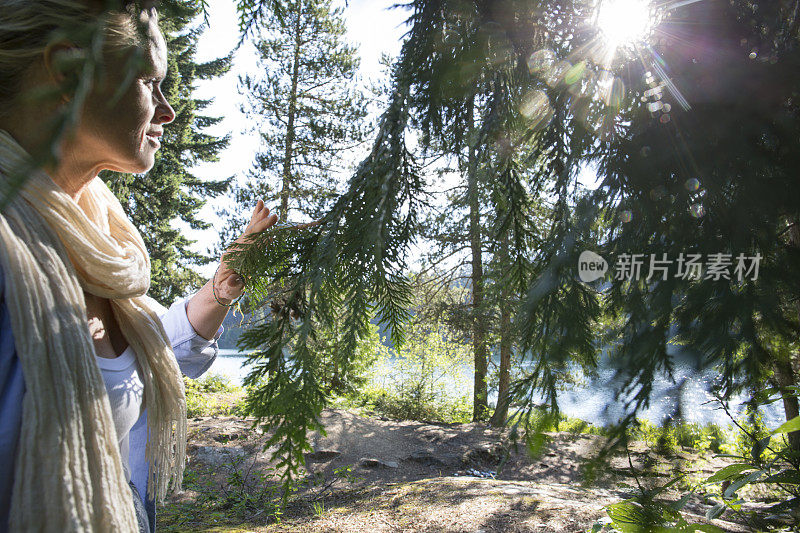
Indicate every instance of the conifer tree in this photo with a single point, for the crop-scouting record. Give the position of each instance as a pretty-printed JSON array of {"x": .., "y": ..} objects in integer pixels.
[
  {"x": 458, "y": 227},
  {"x": 311, "y": 115},
  {"x": 170, "y": 192},
  {"x": 308, "y": 107},
  {"x": 705, "y": 166},
  {"x": 470, "y": 87}
]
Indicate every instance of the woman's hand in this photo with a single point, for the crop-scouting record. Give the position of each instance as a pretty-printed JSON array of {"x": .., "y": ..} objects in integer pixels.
[
  {"x": 227, "y": 283},
  {"x": 207, "y": 309}
]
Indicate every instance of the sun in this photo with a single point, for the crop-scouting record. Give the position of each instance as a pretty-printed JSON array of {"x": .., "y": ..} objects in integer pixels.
[{"x": 624, "y": 23}]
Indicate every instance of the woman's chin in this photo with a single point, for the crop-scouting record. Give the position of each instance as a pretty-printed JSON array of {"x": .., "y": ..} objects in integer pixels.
[
  {"x": 142, "y": 163},
  {"x": 137, "y": 166}
]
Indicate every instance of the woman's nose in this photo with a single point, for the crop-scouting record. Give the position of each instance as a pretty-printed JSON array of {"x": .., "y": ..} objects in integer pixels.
[{"x": 164, "y": 113}]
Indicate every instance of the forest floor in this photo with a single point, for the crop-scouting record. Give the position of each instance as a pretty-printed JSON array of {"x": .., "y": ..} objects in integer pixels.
[{"x": 371, "y": 474}]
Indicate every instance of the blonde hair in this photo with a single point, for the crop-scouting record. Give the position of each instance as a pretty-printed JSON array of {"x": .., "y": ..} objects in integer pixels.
[{"x": 27, "y": 27}]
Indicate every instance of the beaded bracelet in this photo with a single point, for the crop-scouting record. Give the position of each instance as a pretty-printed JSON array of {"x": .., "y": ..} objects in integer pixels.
[{"x": 214, "y": 291}]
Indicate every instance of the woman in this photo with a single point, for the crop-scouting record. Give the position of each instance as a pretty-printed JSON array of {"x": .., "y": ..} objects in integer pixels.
[{"x": 83, "y": 350}]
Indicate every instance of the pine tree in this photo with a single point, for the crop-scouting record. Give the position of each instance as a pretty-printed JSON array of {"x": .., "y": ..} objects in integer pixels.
[
  {"x": 458, "y": 227},
  {"x": 310, "y": 111},
  {"x": 170, "y": 192},
  {"x": 311, "y": 115},
  {"x": 470, "y": 85},
  {"x": 461, "y": 132}
]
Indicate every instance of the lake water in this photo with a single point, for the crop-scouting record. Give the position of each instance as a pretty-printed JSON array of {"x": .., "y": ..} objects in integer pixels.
[{"x": 594, "y": 401}]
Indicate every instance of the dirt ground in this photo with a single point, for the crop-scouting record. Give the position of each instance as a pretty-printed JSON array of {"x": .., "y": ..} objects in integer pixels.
[{"x": 375, "y": 475}]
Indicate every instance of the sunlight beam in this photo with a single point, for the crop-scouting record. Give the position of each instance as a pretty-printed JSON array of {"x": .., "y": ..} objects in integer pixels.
[{"x": 625, "y": 22}]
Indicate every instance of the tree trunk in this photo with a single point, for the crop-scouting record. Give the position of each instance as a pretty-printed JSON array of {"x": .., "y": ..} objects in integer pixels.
[
  {"x": 785, "y": 376},
  {"x": 480, "y": 393},
  {"x": 501, "y": 411},
  {"x": 290, "y": 119},
  {"x": 288, "y": 153},
  {"x": 785, "y": 373}
]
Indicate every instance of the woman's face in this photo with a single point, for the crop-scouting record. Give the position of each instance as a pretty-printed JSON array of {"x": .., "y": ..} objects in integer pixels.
[{"x": 124, "y": 134}]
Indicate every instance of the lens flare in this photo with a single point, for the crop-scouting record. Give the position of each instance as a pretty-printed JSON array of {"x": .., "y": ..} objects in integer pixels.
[
  {"x": 541, "y": 61},
  {"x": 625, "y": 22},
  {"x": 535, "y": 107},
  {"x": 697, "y": 210}
]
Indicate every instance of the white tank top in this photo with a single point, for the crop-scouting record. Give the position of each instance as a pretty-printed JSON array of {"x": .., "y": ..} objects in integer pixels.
[{"x": 126, "y": 395}]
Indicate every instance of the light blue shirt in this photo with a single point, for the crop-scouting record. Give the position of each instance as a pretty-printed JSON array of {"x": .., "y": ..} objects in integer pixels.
[{"x": 193, "y": 353}]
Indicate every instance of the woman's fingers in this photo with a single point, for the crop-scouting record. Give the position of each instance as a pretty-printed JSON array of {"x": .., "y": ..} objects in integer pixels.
[
  {"x": 257, "y": 210},
  {"x": 260, "y": 220},
  {"x": 263, "y": 219},
  {"x": 266, "y": 222}
]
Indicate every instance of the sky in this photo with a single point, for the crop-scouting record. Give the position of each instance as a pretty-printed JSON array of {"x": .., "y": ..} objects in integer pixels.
[{"x": 372, "y": 26}]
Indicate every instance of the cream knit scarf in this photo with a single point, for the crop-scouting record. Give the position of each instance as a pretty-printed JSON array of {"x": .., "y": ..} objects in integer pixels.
[{"x": 68, "y": 474}]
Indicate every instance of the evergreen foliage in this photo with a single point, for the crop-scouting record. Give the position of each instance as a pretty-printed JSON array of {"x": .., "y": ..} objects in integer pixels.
[
  {"x": 310, "y": 115},
  {"x": 307, "y": 110},
  {"x": 349, "y": 268},
  {"x": 545, "y": 74},
  {"x": 717, "y": 178},
  {"x": 355, "y": 258}
]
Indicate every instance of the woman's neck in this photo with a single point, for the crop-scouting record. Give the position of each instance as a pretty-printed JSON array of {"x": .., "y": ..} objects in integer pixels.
[{"x": 72, "y": 175}]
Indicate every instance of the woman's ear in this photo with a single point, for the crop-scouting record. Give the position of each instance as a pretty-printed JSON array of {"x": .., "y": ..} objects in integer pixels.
[{"x": 63, "y": 62}]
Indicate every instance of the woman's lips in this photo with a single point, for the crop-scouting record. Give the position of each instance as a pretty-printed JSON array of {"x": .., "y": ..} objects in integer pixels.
[{"x": 154, "y": 138}]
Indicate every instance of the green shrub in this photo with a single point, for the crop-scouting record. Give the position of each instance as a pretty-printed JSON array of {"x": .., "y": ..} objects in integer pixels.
[
  {"x": 751, "y": 428},
  {"x": 213, "y": 395},
  {"x": 763, "y": 462},
  {"x": 663, "y": 440},
  {"x": 669, "y": 439},
  {"x": 578, "y": 426},
  {"x": 211, "y": 383},
  {"x": 412, "y": 382},
  {"x": 412, "y": 404}
]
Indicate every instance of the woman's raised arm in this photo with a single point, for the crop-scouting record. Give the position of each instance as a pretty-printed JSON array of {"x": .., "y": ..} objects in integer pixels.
[{"x": 205, "y": 310}]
